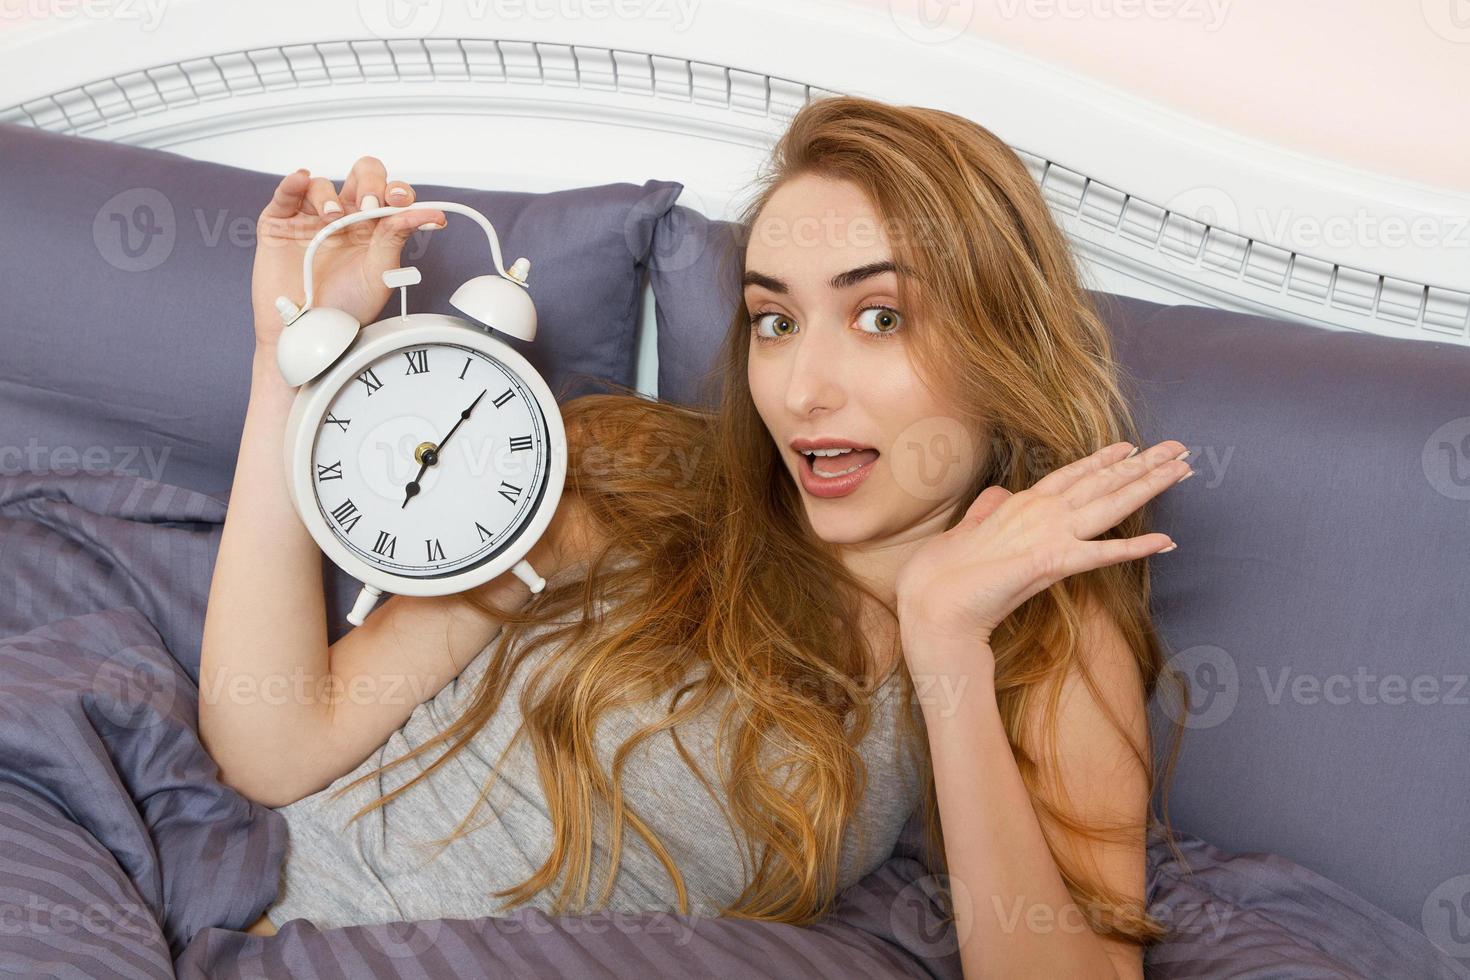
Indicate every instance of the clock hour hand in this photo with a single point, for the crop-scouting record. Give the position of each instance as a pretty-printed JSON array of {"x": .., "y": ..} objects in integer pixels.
[{"x": 412, "y": 488}]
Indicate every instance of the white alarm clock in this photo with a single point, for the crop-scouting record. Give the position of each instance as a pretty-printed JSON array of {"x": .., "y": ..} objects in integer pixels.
[{"x": 424, "y": 455}]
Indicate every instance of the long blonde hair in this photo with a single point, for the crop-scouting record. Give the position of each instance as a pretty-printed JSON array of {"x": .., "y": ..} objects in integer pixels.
[{"x": 724, "y": 574}]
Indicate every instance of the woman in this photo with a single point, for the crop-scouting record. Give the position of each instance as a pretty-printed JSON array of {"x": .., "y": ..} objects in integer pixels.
[{"x": 912, "y": 318}]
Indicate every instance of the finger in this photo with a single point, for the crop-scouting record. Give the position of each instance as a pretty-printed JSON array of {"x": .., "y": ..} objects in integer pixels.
[
  {"x": 1111, "y": 551},
  {"x": 386, "y": 247},
  {"x": 288, "y": 196},
  {"x": 1097, "y": 516},
  {"x": 1063, "y": 477},
  {"x": 321, "y": 198},
  {"x": 364, "y": 188},
  {"x": 399, "y": 193},
  {"x": 1121, "y": 472}
]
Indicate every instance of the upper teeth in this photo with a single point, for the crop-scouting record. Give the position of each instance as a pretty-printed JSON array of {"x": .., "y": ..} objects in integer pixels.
[{"x": 828, "y": 452}]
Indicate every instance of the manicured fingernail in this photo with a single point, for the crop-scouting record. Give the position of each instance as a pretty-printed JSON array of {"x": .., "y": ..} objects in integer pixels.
[
  {"x": 1185, "y": 477},
  {"x": 331, "y": 207},
  {"x": 431, "y": 226},
  {"x": 1131, "y": 452},
  {"x": 369, "y": 201},
  {"x": 1182, "y": 455},
  {"x": 1165, "y": 551},
  {"x": 398, "y": 192}
]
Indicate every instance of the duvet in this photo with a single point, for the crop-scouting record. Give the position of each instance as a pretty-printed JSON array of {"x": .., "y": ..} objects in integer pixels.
[{"x": 123, "y": 855}]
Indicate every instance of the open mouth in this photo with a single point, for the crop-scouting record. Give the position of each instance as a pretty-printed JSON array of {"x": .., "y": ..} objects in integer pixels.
[{"x": 830, "y": 464}]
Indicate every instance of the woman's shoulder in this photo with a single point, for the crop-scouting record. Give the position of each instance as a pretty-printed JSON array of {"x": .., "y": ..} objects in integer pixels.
[{"x": 577, "y": 565}]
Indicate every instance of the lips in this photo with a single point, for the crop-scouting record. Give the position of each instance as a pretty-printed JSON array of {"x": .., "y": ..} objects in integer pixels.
[
  {"x": 826, "y": 442},
  {"x": 859, "y": 463}
]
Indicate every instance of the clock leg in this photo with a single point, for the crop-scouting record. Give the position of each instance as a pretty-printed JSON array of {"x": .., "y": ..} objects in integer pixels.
[
  {"x": 527, "y": 574},
  {"x": 366, "y": 599}
]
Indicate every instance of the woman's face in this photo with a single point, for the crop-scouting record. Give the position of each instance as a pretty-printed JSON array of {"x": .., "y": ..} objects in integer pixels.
[{"x": 829, "y": 360}]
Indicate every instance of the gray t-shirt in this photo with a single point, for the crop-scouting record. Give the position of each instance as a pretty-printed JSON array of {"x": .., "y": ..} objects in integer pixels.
[{"x": 383, "y": 866}]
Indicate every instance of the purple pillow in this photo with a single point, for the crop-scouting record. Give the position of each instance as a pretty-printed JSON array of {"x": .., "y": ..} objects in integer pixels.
[
  {"x": 695, "y": 272},
  {"x": 125, "y": 312}
]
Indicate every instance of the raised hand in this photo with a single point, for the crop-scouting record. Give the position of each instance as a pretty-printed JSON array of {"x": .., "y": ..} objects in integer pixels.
[
  {"x": 1009, "y": 546},
  {"x": 348, "y": 267}
]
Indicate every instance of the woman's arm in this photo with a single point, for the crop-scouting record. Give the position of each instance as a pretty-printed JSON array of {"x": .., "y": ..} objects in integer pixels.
[
  {"x": 1013, "y": 912},
  {"x": 281, "y": 712}
]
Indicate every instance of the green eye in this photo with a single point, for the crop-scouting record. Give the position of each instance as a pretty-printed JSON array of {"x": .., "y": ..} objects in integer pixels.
[
  {"x": 883, "y": 319},
  {"x": 781, "y": 324}
]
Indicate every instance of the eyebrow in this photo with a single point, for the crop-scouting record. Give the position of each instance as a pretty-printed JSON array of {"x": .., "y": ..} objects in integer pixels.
[{"x": 840, "y": 281}]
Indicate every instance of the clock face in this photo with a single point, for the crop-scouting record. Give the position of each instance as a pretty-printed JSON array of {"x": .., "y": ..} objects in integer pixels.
[{"x": 430, "y": 460}]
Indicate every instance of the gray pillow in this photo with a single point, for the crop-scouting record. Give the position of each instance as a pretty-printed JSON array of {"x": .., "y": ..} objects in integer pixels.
[
  {"x": 125, "y": 315},
  {"x": 1324, "y": 538}
]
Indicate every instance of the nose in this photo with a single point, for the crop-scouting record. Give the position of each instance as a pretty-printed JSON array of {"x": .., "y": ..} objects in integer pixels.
[{"x": 818, "y": 380}]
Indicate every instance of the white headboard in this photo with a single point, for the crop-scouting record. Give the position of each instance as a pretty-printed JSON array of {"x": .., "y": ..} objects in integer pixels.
[{"x": 543, "y": 94}]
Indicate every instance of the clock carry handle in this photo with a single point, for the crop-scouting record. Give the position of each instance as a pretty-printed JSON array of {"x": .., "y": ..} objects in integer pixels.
[
  {"x": 368, "y": 597},
  {"x": 517, "y": 272},
  {"x": 314, "y": 338}
]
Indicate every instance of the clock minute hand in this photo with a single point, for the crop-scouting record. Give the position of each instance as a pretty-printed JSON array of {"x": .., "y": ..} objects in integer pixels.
[
  {"x": 431, "y": 456},
  {"x": 462, "y": 416}
]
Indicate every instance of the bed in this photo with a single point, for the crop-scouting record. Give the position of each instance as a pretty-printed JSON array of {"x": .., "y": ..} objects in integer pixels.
[{"x": 124, "y": 855}]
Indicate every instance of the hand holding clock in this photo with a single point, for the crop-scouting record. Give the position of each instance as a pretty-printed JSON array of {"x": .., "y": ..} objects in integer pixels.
[
  {"x": 361, "y": 386},
  {"x": 310, "y": 480},
  {"x": 348, "y": 266}
]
